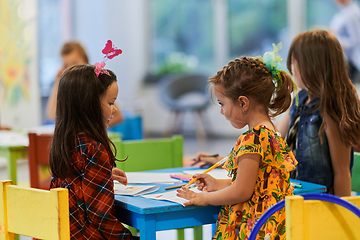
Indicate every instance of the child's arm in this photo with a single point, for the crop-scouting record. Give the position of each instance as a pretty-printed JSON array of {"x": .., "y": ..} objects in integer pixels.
[
  {"x": 207, "y": 183},
  {"x": 283, "y": 124},
  {"x": 207, "y": 158},
  {"x": 241, "y": 191},
  {"x": 120, "y": 176},
  {"x": 98, "y": 192},
  {"x": 340, "y": 159}
]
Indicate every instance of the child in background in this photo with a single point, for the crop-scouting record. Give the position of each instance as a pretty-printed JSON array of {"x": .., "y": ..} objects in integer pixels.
[
  {"x": 326, "y": 122},
  {"x": 72, "y": 53},
  {"x": 81, "y": 156},
  {"x": 250, "y": 91}
]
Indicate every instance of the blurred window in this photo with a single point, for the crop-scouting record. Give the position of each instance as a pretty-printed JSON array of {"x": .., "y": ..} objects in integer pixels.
[
  {"x": 182, "y": 36},
  {"x": 49, "y": 43},
  {"x": 255, "y": 25},
  {"x": 320, "y": 13}
]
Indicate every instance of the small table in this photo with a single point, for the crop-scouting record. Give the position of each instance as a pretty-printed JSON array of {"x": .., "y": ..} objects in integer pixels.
[
  {"x": 13, "y": 146},
  {"x": 149, "y": 215}
]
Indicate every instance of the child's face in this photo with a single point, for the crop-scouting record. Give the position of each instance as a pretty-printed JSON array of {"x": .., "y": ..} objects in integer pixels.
[
  {"x": 73, "y": 58},
  {"x": 108, "y": 102},
  {"x": 296, "y": 74},
  {"x": 231, "y": 111}
]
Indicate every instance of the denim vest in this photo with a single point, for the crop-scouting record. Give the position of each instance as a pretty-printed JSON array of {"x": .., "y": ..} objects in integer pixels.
[{"x": 314, "y": 160}]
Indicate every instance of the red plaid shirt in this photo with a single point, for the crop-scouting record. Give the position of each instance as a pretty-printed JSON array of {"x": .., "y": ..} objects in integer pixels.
[{"x": 91, "y": 193}]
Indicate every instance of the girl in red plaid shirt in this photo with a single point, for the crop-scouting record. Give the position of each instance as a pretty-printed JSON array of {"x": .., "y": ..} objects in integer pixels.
[{"x": 81, "y": 156}]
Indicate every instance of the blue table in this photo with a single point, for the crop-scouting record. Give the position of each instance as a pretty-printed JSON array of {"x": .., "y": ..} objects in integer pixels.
[{"x": 149, "y": 215}]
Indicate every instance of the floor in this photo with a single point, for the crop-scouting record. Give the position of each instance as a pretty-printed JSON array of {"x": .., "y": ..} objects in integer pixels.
[{"x": 191, "y": 148}]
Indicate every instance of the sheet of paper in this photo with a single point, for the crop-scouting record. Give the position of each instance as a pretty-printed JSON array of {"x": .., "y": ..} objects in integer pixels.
[
  {"x": 170, "y": 196},
  {"x": 134, "y": 190},
  {"x": 151, "y": 177},
  {"x": 218, "y": 173}
]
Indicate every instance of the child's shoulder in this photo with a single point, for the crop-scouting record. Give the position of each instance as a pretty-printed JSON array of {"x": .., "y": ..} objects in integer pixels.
[
  {"x": 258, "y": 135},
  {"x": 84, "y": 142},
  {"x": 260, "y": 129}
]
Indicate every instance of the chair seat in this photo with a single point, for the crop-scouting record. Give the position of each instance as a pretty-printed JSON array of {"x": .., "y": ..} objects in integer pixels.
[{"x": 189, "y": 102}]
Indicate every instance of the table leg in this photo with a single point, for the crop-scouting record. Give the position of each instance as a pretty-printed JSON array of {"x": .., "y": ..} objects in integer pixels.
[
  {"x": 147, "y": 227},
  {"x": 12, "y": 156},
  {"x": 11, "y": 168},
  {"x": 180, "y": 233},
  {"x": 198, "y": 232}
]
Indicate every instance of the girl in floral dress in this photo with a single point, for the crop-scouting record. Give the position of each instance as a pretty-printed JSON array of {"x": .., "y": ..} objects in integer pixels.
[{"x": 250, "y": 91}]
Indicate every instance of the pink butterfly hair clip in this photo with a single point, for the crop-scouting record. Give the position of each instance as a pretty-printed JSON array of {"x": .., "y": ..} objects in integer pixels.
[{"x": 110, "y": 52}]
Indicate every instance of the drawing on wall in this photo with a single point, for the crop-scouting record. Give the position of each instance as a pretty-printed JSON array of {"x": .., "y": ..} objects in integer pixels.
[{"x": 14, "y": 57}]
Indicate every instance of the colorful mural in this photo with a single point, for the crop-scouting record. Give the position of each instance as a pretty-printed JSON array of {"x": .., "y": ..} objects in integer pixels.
[{"x": 14, "y": 57}]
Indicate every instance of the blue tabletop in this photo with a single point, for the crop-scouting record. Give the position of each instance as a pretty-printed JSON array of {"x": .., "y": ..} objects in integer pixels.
[{"x": 150, "y": 206}]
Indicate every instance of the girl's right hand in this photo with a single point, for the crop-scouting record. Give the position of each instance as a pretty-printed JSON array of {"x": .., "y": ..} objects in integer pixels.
[{"x": 205, "y": 182}]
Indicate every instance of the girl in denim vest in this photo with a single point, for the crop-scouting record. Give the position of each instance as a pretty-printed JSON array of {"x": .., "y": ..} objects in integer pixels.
[{"x": 325, "y": 124}]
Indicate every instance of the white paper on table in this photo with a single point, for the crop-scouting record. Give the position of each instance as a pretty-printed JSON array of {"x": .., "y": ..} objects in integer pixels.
[
  {"x": 10, "y": 138},
  {"x": 151, "y": 177},
  {"x": 170, "y": 196},
  {"x": 218, "y": 173},
  {"x": 134, "y": 190}
]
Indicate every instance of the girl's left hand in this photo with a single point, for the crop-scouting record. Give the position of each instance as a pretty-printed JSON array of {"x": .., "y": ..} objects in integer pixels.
[
  {"x": 119, "y": 175},
  {"x": 195, "y": 198}
]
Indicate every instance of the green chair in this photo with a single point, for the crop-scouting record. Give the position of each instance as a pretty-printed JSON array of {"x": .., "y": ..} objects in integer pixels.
[
  {"x": 152, "y": 154},
  {"x": 355, "y": 178}
]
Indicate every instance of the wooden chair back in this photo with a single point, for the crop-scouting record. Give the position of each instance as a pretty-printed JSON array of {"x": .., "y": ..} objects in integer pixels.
[
  {"x": 39, "y": 151},
  {"x": 315, "y": 219},
  {"x": 150, "y": 154},
  {"x": 33, "y": 212}
]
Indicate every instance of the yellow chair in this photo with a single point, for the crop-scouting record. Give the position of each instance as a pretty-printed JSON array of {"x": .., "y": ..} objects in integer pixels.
[
  {"x": 33, "y": 212},
  {"x": 314, "y": 219}
]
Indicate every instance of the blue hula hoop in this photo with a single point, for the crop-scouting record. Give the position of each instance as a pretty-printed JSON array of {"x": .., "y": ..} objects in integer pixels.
[{"x": 307, "y": 196}]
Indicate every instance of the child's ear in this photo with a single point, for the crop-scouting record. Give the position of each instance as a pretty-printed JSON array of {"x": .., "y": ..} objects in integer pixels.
[{"x": 244, "y": 103}]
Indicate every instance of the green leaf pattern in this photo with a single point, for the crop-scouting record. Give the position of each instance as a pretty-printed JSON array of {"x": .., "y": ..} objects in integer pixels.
[{"x": 272, "y": 185}]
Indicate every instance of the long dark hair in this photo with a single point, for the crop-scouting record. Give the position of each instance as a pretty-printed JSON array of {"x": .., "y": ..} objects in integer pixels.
[
  {"x": 78, "y": 110},
  {"x": 323, "y": 71}
]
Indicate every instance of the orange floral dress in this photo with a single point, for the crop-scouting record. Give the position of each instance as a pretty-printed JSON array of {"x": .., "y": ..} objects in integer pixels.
[{"x": 272, "y": 185}]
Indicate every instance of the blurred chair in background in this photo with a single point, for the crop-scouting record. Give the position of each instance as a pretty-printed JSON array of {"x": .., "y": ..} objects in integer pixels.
[
  {"x": 150, "y": 154},
  {"x": 182, "y": 93},
  {"x": 355, "y": 174},
  {"x": 39, "y": 150},
  {"x": 130, "y": 128}
]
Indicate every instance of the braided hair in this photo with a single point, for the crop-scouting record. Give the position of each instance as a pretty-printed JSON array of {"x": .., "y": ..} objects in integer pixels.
[{"x": 250, "y": 77}]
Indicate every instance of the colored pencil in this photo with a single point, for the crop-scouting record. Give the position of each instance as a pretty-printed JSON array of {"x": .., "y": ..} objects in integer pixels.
[{"x": 208, "y": 170}]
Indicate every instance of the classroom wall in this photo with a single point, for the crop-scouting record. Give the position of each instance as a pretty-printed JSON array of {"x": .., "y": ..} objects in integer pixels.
[
  {"x": 127, "y": 24},
  {"x": 19, "y": 86}
]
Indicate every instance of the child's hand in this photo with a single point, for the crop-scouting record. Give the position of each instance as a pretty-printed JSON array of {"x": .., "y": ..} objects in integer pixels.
[
  {"x": 120, "y": 176},
  {"x": 205, "y": 182},
  {"x": 195, "y": 198},
  {"x": 206, "y": 159}
]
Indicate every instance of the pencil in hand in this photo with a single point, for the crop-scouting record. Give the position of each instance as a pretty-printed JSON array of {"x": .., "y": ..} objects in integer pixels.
[{"x": 208, "y": 170}]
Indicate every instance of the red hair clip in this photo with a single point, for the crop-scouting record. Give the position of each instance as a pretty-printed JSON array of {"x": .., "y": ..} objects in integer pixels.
[{"x": 110, "y": 52}]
